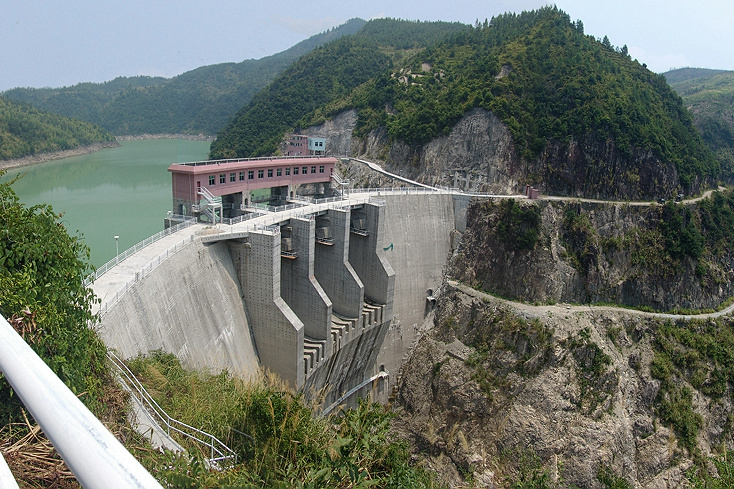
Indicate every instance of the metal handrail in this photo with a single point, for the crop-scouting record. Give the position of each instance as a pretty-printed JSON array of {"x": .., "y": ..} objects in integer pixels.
[
  {"x": 244, "y": 217},
  {"x": 152, "y": 264},
  {"x": 280, "y": 208},
  {"x": 139, "y": 246},
  {"x": 216, "y": 447},
  {"x": 97, "y": 459}
]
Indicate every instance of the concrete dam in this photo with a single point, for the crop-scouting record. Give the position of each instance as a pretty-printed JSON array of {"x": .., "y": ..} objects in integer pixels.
[{"x": 328, "y": 296}]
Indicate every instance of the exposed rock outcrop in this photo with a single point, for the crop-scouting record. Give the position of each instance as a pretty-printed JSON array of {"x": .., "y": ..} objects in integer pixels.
[
  {"x": 338, "y": 132},
  {"x": 589, "y": 252},
  {"x": 479, "y": 154},
  {"x": 497, "y": 393}
]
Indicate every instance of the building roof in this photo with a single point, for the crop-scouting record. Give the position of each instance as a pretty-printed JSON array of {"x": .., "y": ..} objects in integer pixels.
[{"x": 214, "y": 166}]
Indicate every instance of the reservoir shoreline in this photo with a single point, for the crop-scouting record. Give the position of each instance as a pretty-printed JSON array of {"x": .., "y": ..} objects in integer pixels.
[
  {"x": 123, "y": 191},
  {"x": 55, "y": 155},
  {"x": 91, "y": 148}
]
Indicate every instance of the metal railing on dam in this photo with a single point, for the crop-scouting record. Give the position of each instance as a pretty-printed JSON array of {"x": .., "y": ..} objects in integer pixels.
[
  {"x": 134, "y": 249},
  {"x": 140, "y": 273},
  {"x": 260, "y": 158},
  {"x": 97, "y": 459}
]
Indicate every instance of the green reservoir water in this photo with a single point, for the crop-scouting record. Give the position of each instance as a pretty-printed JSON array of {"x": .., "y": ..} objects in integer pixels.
[{"x": 123, "y": 191}]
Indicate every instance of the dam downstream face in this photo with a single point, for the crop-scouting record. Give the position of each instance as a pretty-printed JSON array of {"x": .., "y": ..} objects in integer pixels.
[{"x": 195, "y": 304}]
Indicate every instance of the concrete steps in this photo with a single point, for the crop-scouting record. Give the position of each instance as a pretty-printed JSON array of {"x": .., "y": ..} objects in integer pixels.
[{"x": 313, "y": 352}]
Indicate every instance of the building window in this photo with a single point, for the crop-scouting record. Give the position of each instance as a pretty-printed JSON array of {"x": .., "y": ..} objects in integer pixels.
[
  {"x": 223, "y": 178},
  {"x": 313, "y": 169},
  {"x": 305, "y": 170},
  {"x": 295, "y": 170},
  {"x": 232, "y": 177},
  {"x": 270, "y": 173},
  {"x": 321, "y": 169},
  {"x": 279, "y": 172},
  {"x": 242, "y": 176},
  {"x": 211, "y": 179},
  {"x": 288, "y": 171},
  {"x": 250, "y": 174},
  {"x": 260, "y": 173}
]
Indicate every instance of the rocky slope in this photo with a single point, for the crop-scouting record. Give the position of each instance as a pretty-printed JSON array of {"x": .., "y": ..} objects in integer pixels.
[
  {"x": 592, "y": 252},
  {"x": 548, "y": 396},
  {"x": 479, "y": 155}
]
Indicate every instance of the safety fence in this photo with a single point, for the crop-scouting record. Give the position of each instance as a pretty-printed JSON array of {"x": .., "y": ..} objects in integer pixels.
[
  {"x": 219, "y": 453},
  {"x": 93, "y": 454},
  {"x": 139, "y": 246},
  {"x": 142, "y": 272}
]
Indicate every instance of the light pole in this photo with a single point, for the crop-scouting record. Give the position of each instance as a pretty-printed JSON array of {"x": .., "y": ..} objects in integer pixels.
[{"x": 117, "y": 249}]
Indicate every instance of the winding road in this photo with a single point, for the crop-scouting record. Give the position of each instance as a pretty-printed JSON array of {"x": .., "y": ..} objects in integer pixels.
[
  {"x": 570, "y": 308},
  {"x": 540, "y": 310}
]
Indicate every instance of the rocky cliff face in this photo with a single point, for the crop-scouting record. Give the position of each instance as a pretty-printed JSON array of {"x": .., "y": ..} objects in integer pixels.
[
  {"x": 499, "y": 393},
  {"x": 588, "y": 252},
  {"x": 338, "y": 132},
  {"x": 479, "y": 155},
  {"x": 549, "y": 395},
  {"x": 593, "y": 168}
]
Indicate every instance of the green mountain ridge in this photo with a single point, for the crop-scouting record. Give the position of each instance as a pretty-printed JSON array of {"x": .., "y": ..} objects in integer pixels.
[
  {"x": 538, "y": 72},
  {"x": 709, "y": 96},
  {"x": 25, "y": 131},
  {"x": 198, "y": 101},
  {"x": 317, "y": 79}
]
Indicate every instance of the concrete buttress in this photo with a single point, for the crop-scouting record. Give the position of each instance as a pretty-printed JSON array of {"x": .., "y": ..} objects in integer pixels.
[
  {"x": 277, "y": 330},
  {"x": 367, "y": 256},
  {"x": 298, "y": 285},
  {"x": 332, "y": 267}
]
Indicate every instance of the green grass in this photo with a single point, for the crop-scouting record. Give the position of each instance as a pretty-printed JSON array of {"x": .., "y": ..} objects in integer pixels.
[{"x": 279, "y": 438}]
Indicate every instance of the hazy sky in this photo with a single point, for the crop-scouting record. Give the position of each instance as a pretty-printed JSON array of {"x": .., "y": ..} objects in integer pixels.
[{"x": 62, "y": 42}]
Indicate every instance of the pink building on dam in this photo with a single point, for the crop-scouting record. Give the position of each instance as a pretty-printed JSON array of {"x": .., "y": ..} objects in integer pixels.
[{"x": 233, "y": 181}]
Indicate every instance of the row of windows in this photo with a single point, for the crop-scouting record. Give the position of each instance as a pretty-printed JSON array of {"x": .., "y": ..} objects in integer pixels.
[{"x": 261, "y": 174}]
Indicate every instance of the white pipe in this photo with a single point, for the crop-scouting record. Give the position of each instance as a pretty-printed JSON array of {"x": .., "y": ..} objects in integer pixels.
[
  {"x": 7, "y": 481},
  {"x": 92, "y": 453}
]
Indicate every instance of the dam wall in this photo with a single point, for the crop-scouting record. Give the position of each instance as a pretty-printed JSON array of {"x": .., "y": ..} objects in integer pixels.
[
  {"x": 329, "y": 300},
  {"x": 277, "y": 331},
  {"x": 419, "y": 228},
  {"x": 190, "y": 306}
]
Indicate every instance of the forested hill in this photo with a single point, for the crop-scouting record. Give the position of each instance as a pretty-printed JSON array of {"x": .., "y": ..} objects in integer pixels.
[
  {"x": 327, "y": 74},
  {"x": 25, "y": 131},
  {"x": 198, "y": 101},
  {"x": 709, "y": 96},
  {"x": 551, "y": 85}
]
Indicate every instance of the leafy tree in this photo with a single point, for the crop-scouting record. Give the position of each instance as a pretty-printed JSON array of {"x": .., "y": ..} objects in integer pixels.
[
  {"x": 42, "y": 295},
  {"x": 682, "y": 237},
  {"x": 302, "y": 94},
  {"x": 546, "y": 80},
  {"x": 25, "y": 130}
]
